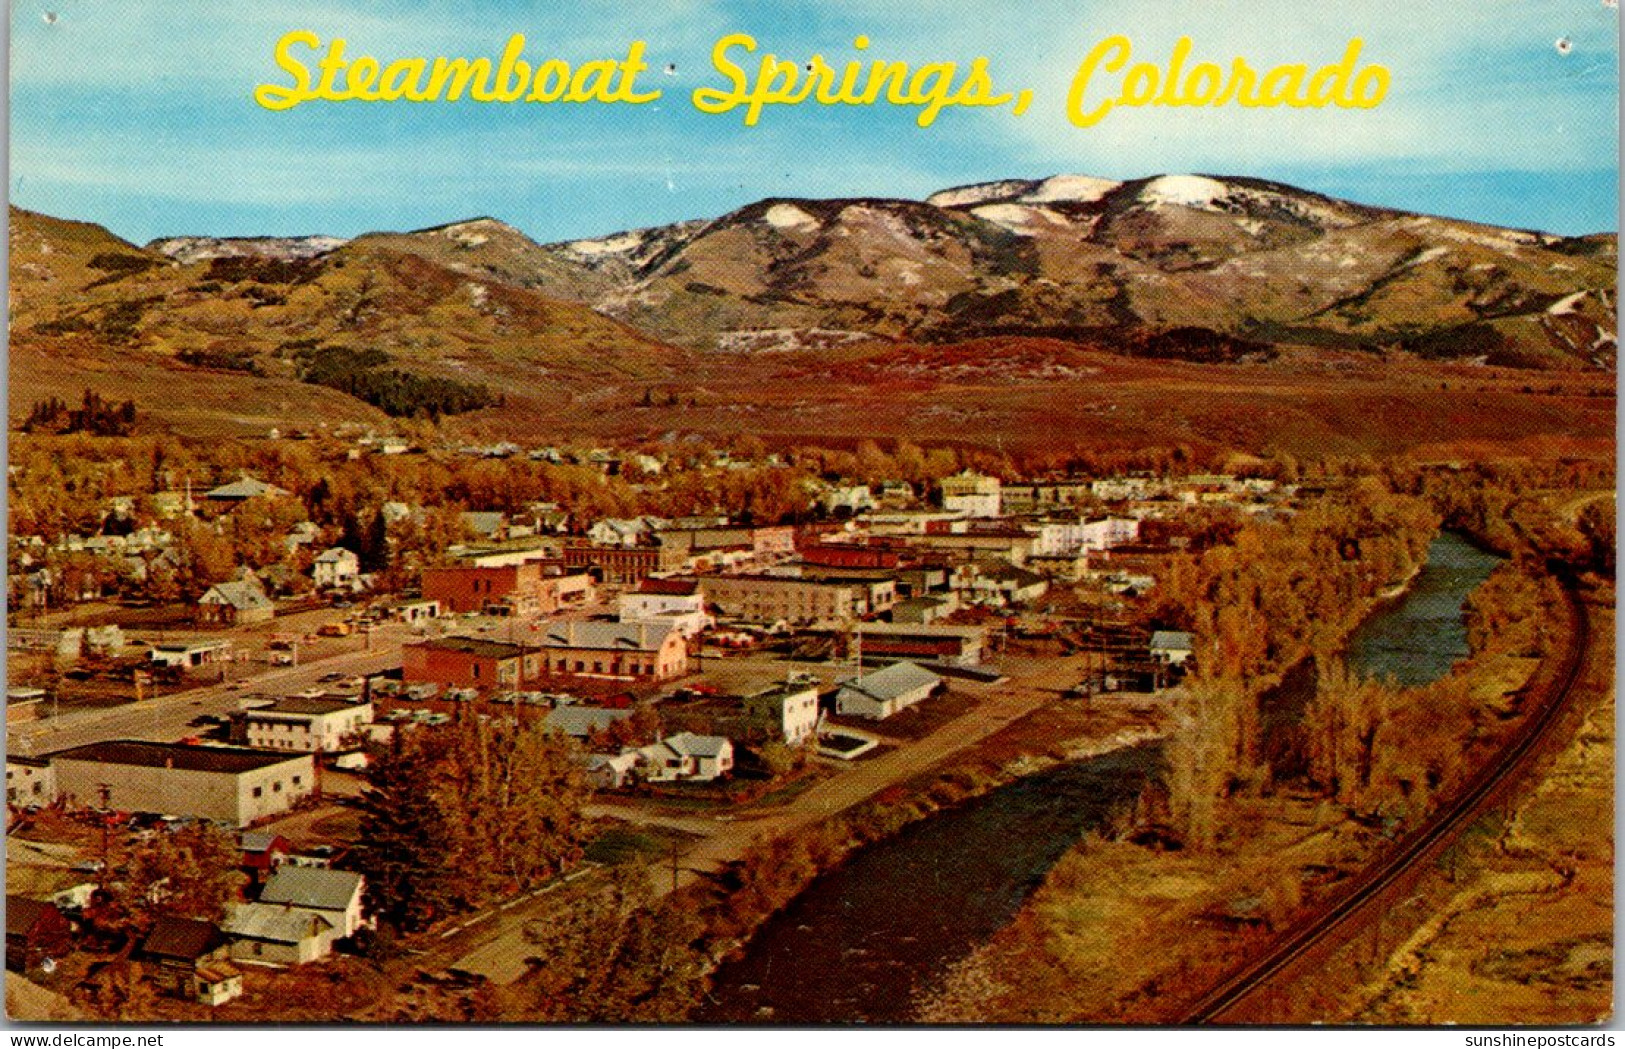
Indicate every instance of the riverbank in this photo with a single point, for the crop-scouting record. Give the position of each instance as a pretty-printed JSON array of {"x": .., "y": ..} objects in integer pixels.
[
  {"x": 1523, "y": 918},
  {"x": 1121, "y": 933}
]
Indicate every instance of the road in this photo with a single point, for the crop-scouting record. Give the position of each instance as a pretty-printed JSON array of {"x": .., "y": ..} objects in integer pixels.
[
  {"x": 1368, "y": 895},
  {"x": 166, "y": 718}
]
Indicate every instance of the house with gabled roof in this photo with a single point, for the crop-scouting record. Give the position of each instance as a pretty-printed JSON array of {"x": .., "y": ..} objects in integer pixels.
[
  {"x": 335, "y": 567},
  {"x": 191, "y": 960},
  {"x": 234, "y": 603},
  {"x": 244, "y": 489},
  {"x": 272, "y": 934},
  {"x": 35, "y": 930},
  {"x": 686, "y": 755},
  {"x": 335, "y": 895}
]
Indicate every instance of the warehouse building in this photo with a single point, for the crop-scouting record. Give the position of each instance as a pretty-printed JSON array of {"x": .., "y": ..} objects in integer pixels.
[{"x": 227, "y": 785}]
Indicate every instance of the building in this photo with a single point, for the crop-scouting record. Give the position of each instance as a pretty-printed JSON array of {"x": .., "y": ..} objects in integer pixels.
[
  {"x": 924, "y": 611},
  {"x": 35, "y": 931},
  {"x": 885, "y": 692},
  {"x": 187, "y": 654},
  {"x": 972, "y": 494},
  {"x": 335, "y": 895},
  {"x": 769, "y": 599},
  {"x": 191, "y": 959},
  {"x": 680, "y": 602},
  {"x": 788, "y": 710},
  {"x": 525, "y": 588},
  {"x": 268, "y": 934},
  {"x": 335, "y": 567},
  {"x": 686, "y": 756},
  {"x": 960, "y": 646},
  {"x": 612, "y": 564},
  {"x": 1172, "y": 647},
  {"x": 637, "y": 651},
  {"x": 469, "y": 662},
  {"x": 244, "y": 489},
  {"x": 611, "y": 771},
  {"x": 29, "y": 781},
  {"x": 1001, "y": 583},
  {"x": 227, "y": 785},
  {"x": 308, "y": 725},
  {"x": 235, "y": 603}
]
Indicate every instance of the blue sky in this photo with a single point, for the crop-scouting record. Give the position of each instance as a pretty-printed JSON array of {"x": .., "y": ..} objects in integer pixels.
[{"x": 139, "y": 115}]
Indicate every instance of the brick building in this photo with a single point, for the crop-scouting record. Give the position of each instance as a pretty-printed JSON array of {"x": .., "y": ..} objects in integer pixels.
[{"x": 469, "y": 662}]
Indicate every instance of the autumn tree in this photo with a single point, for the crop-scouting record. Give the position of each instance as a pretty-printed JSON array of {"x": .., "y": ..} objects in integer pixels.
[
  {"x": 617, "y": 956},
  {"x": 459, "y": 814},
  {"x": 188, "y": 873},
  {"x": 1202, "y": 755}
]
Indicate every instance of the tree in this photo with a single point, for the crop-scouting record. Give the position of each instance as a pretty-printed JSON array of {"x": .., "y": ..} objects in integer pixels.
[
  {"x": 407, "y": 857},
  {"x": 616, "y": 957},
  {"x": 1202, "y": 758},
  {"x": 188, "y": 873},
  {"x": 463, "y": 813}
]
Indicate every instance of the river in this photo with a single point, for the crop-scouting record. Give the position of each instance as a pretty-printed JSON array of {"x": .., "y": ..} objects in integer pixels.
[{"x": 865, "y": 940}]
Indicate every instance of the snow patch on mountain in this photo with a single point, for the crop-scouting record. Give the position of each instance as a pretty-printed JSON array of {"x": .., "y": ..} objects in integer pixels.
[
  {"x": 1188, "y": 191},
  {"x": 1018, "y": 218},
  {"x": 202, "y": 249},
  {"x": 619, "y": 244},
  {"x": 1077, "y": 189},
  {"x": 979, "y": 193},
  {"x": 1566, "y": 305},
  {"x": 789, "y": 217}
]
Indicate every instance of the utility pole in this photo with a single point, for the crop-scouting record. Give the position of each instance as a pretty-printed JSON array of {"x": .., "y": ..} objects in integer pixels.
[{"x": 105, "y": 792}]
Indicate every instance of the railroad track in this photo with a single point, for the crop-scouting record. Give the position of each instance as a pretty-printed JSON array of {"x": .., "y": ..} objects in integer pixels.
[{"x": 1425, "y": 842}]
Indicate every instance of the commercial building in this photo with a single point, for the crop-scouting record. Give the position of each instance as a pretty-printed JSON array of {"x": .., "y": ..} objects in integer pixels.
[
  {"x": 525, "y": 589},
  {"x": 768, "y": 599},
  {"x": 637, "y": 651},
  {"x": 469, "y": 662},
  {"x": 308, "y": 725},
  {"x": 228, "y": 785}
]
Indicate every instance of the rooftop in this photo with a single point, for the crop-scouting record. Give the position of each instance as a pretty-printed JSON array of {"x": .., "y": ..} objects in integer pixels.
[
  {"x": 186, "y": 756},
  {"x": 305, "y": 705},
  {"x": 891, "y": 682},
  {"x": 639, "y": 636},
  {"x": 475, "y": 646},
  {"x": 315, "y": 887}
]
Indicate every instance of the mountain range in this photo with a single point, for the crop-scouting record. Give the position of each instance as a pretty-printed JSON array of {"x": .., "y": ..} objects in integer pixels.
[{"x": 1187, "y": 268}]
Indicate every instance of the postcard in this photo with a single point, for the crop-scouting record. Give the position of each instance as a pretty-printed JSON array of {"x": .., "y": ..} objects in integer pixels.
[{"x": 817, "y": 512}]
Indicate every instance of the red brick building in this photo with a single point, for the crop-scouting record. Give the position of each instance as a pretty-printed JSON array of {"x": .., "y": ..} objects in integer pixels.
[
  {"x": 614, "y": 564},
  {"x": 526, "y": 589},
  {"x": 469, "y": 662}
]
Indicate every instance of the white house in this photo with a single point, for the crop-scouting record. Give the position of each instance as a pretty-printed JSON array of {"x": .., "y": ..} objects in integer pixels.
[
  {"x": 851, "y": 498},
  {"x": 335, "y": 567},
  {"x": 791, "y": 709},
  {"x": 268, "y": 934},
  {"x": 686, "y": 756},
  {"x": 334, "y": 895},
  {"x": 307, "y": 725},
  {"x": 610, "y": 771},
  {"x": 886, "y": 691},
  {"x": 1173, "y": 647},
  {"x": 680, "y": 602}
]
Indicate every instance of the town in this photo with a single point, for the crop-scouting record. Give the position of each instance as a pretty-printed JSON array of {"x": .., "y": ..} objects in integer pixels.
[{"x": 233, "y": 688}]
